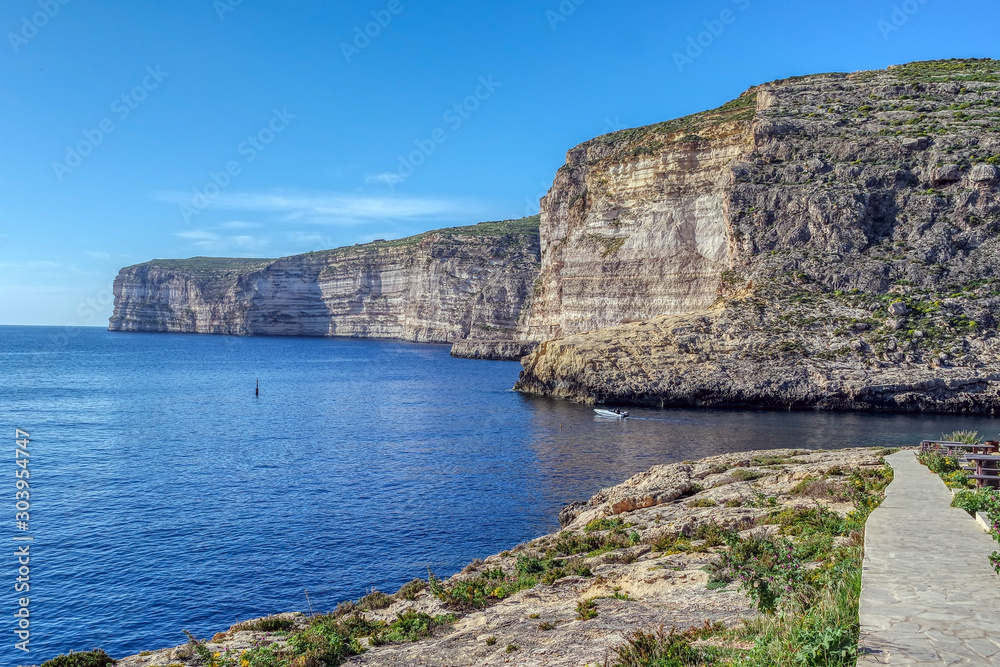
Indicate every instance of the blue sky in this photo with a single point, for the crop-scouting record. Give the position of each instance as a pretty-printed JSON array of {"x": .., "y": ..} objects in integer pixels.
[{"x": 139, "y": 130}]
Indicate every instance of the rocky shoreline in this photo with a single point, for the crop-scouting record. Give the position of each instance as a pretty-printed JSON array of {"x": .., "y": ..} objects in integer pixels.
[{"x": 636, "y": 556}]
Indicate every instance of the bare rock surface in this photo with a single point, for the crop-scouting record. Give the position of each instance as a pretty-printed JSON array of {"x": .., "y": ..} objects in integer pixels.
[{"x": 634, "y": 586}]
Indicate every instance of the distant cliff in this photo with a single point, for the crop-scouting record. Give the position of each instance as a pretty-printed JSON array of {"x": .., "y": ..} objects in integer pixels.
[
  {"x": 826, "y": 241},
  {"x": 465, "y": 285}
]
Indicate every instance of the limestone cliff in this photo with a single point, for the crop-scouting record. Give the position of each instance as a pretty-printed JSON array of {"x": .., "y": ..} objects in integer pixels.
[
  {"x": 465, "y": 284},
  {"x": 824, "y": 241}
]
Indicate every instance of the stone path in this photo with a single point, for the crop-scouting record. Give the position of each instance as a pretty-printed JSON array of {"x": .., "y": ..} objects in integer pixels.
[{"x": 929, "y": 594}]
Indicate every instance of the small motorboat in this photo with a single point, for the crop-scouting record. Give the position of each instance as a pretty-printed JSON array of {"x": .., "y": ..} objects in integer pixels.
[{"x": 611, "y": 413}]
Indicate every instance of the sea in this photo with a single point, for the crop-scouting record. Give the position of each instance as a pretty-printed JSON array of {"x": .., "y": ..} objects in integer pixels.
[{"x": 165, "y": 495}]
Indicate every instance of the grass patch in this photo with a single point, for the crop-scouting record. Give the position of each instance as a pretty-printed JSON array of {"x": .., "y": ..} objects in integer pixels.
[
  {"x": 709, "y": 535},
  {"x": 746, "y": 475},
  {"x": 605, "y": 524},
  {"x": 803, "y": 522},
  {"x": 818, "y": 487},
  {"x": 570, "y": 544}
]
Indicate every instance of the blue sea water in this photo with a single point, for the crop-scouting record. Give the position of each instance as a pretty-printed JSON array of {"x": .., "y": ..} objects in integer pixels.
[{"x": 165, "y": 496}]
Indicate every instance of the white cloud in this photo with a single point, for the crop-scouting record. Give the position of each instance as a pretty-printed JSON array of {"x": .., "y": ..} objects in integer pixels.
[
  {"x": 239, "y": 224},
  {"x": 331, "y": 209},
  {"x": 311, "y": 238},
  {"x": 209, "y": 241},
  {"x": 386, "y": 178},
  {"x": 198, "y": 236},
  {"x": 249, "y": 242},
  {"x": 97, "y": 255}
]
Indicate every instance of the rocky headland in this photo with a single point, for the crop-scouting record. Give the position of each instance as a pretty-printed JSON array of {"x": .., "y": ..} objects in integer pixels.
[
  {"x": 826, "y": 241},
  {"x": 465, "y": 285},
  {"x": 635, "y": 557}
]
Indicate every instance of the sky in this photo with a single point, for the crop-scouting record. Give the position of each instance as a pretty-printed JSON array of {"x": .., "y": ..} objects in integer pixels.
[{"x": 141, "y": 130}]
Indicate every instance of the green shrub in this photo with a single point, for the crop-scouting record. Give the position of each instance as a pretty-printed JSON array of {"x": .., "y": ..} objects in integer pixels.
[
  {"x": 768, "y": 571},
  {"x": 939, "y": 464},
  {"x": 975, "y": 501},
  {"x": 965, "y": 437},
  {"x": 95, "y": 658},
  {"x": 273, "y": 624},
  {"x": 813, "y": 487},
  {"x": 570, "y": 544},
  {"x": 329, "y": 640},
  {"x": 586, "y": 610},
  {"x": 374, "y": 601},
  {"x": 659, "y": 649},
  {"x": 604, "y": 524},
  {"x": 957, "y": 480},
  {"x": 807, "y": 521},
  {"x": 410, "y": 590},
  {"x": 819, "y": 647},
  {"x": 746, "y": 475},
  {"x": 488, "y": 587},
  {"x": 410, "y": 626},
  {"x": 491, "y": 586}
]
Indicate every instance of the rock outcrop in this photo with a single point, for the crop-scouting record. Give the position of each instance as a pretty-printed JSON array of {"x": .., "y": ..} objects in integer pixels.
[
  {"x": 464, "y": 284},
  {"x": 829, "y": 241},
  {"x": 636, "y": 552}
]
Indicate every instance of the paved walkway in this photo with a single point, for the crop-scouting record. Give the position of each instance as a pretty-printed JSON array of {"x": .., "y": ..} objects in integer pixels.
[{"x": 929, "y": 594}]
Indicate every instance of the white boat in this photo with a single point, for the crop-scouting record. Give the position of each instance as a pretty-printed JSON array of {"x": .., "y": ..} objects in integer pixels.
[{"x": 611, "y": 414}]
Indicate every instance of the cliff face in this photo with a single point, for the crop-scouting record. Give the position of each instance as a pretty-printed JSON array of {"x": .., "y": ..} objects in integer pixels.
[
  {"x": 464, "y": 284},
  {"x": 825, "y": 241},
  {"x": 635, "y": 223}
]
